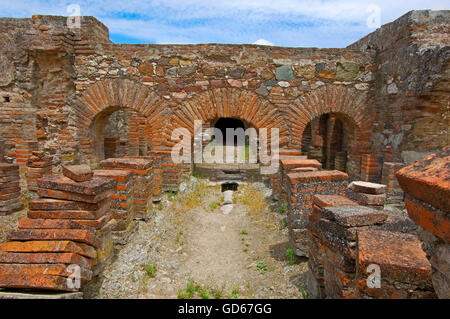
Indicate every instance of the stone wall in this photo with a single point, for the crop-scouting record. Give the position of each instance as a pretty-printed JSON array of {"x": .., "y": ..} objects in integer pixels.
[
  {"x": 410, "y": 91},
  {"x": 57, "y": 84}
]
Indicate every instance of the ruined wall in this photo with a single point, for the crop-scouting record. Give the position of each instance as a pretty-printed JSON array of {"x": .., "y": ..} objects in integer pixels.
[
  {"x": 411, "y": 89},
  {"x": 60, "y": 81}
]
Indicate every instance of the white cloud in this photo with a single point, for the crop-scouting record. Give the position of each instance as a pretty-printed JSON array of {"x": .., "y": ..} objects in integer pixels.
[{"x": 263, "y": 42}]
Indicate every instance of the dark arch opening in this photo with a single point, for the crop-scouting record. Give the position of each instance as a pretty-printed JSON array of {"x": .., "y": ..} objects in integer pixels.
[
  {"x": 325, "y": 138},
  {"x": 117, "y": 132},
  {"x": 224, "y": 122}
]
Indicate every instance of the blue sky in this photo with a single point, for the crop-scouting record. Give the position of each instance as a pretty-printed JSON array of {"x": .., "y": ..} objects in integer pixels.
[{"x": 296, "y": 23}]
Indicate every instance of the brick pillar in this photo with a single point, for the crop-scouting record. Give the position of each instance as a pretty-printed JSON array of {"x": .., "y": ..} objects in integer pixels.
[
  {"x": 69, "y": 225},
  {"x": 38, "y": 166},
  {"x": 23, "y": 151},
  {"x": 315, "y": 277},
  {"x": 292, "y": 165},
  {"x": 133, "y": 136},
  {"x": 370, "y": 168},
  {"x": 301, "y": 188},
  {"x": 122, "y": 202},
  {"x": 141, "y": 166},
  {"x": 394, "y": 193},
  {"x": 10, "y": 190}
]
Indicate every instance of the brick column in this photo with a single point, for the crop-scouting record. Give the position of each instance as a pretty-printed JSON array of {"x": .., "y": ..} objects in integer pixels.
[
  {"x": 394, "y": 193},
  {"x": 301, "y": 188},
  {"x": 370, "y": 168}
]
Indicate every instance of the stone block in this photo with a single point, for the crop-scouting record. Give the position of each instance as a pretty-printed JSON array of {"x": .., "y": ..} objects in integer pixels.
[
  {"x": 366, "y": 199},
  {"x": 78, "y": 173},
  {"x": 332, "y": 200},
  {"x": 354, "y": 216},
  {"x": 93, "y": 187},
  {"x": 367, "y": 187},
  {"x": 403, "y": 265},
  {"x": 429, "y": 180}
]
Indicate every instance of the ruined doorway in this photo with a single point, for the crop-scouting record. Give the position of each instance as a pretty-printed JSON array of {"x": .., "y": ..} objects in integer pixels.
[
  {"x": 118, "y": 132},
  {"x": 325, "y": 138},
  {"x": 231, "y": 123}
]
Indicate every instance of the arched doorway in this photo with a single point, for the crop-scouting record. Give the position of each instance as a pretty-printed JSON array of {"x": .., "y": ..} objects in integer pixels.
[
  {"x": 117, "y": 132},
  {"x": 325, "y": 138}
]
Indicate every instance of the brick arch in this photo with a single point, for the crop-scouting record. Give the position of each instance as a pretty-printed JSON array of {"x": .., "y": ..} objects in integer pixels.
[
  {"x": 240, "y": 104},
  {"x": 108, "y": 95},
  {"x": 349, "y": 105}
]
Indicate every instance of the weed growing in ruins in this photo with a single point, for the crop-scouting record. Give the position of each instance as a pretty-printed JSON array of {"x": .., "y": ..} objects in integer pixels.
[
  {"x": 244, "y": 232},
  {"x": 151, "y": 270},
  {"x": 262, "y": 267},
  {"x": 213, "y": 205},
  {"x": 197, "y": 175},
  {"x": 216, "y": 293},
  {"x": 290, "y": 256},
  {"x": 194, "y": 198},
  {"x": 192, "y": 288},
  {"x": 254, "y": 199},
  {"x": 282, "y": 209},
  {"x": 283, "y": 223},
  {"x": 170, "y": 194},
  {"x": 28, "y": 196},
  {"x": 234, "y": 293},
  {"x": 303, "y": 291},
  {"x": 203, "y": 293}
]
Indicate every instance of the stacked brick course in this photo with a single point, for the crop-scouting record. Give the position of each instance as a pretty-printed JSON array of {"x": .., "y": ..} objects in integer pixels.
[
  {"x": 10, "y": 190},
  {"x": 302, "y": 186},
  {"x": 292, "y": 165},
  {"x": 167, "y": 174},
  {"x": 122, "y": 202},
  {"x": 38, "y": 165},
  {"x": 142, "y": 180},
  {"x": 347, "y": 238},
  {"x": 276, "y": 179},
  {"x": 394, "y": 194},
  {"x": 427, "y": 187},
  {"x": 69, "y": 225},
  {"x": 370, "y": 168},
  {"x": 367, "y": 194},
  {"x": 316, "y": 245},
  {"x": 339, "y": 226}
]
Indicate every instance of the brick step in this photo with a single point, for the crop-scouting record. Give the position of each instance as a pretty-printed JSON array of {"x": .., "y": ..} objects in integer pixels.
[
  {"x": 45, "y": 258},
  {"x": 43, "y": 269},
  {"x": 49, "y": 247},
  {"x": 34, "y": 281},
  {"x": 77, "y": 235}
]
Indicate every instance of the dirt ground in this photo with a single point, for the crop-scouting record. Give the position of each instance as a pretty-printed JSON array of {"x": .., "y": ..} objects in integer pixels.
[{"x": 191, "y": 249}]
